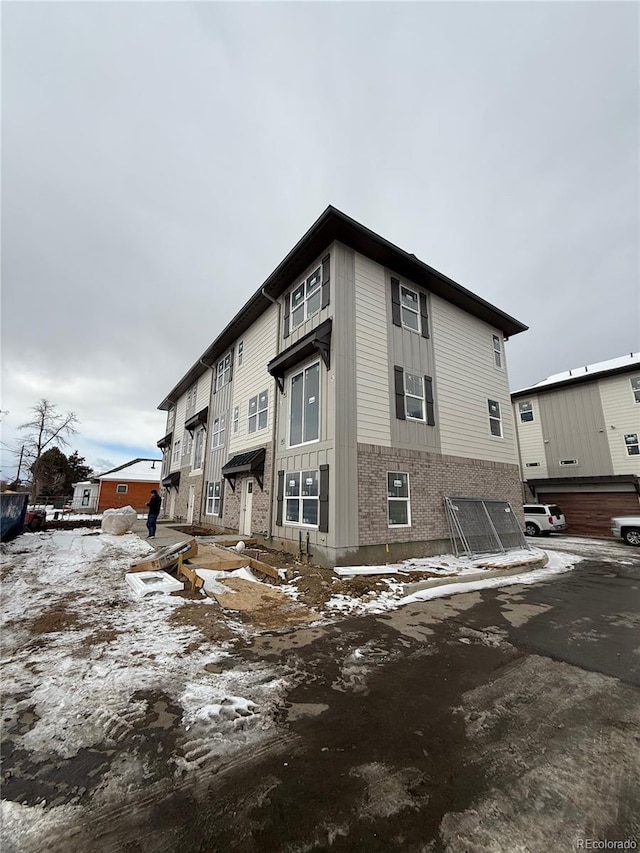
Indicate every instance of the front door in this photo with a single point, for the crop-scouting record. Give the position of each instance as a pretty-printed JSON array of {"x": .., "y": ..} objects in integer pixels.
[
  {"x": 190, "y": 504},
  {"x": 245, "y": 508}
]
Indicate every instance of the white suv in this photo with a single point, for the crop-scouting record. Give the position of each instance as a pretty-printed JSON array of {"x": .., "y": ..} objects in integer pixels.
[
  {"x": 543, "y": 519},
  {"x": 627, "y": 527}
]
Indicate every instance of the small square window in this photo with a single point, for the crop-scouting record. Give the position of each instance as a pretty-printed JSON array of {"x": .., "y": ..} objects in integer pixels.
[{"x": 122, "y": 488}]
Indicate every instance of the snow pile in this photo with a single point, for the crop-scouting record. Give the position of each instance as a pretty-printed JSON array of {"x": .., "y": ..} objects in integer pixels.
[{"x": 447, "y": 565}]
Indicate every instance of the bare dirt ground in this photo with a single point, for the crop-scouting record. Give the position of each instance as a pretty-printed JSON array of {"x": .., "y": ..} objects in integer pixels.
[{"x": 503, "y": 720}]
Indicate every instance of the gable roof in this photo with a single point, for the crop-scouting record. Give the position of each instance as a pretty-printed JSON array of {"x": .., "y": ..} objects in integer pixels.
[
  {"x": 588, "y": 373},
  {"x": 138, "y": 470},
  {"x": 334, "y": 225}
]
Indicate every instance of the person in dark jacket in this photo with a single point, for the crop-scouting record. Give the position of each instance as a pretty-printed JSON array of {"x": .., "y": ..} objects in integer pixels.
[{"x": 154, "y": 512}]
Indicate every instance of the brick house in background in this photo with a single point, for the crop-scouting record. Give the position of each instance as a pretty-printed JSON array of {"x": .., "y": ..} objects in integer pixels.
[
  {"x": 127, "y": 485},
  {"x": 579, "y": 442},
  {"x": 353, "y": 391}
]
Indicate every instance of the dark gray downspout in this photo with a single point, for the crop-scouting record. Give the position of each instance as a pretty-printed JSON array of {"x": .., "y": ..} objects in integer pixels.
[{"x": 276, "y": 400}]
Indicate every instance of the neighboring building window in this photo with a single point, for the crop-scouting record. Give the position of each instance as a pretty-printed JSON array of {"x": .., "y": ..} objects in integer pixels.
[
  {"x": 306, "y": 299},
  {"x": 258, "y": 410},
  {"x": 414, "y": 396},
  {"x": 192, "y": 394},
  {"x": 223, "y": 372},
  {"x": 176, "y": 452},
  {"x": 197, "y": 449},
  {"x": 635, "y": 387},
  {"x": 301, "y": 498},
  {"x": 217, "y": 433},
  {"x": 631, "y": 443},
  {"x": 122, "y": 488},
  {"x": 214, "y": 491},
  {"x": 497, "y": 351},
  {"x": 86, "y": 494},
  {"x": 236, "y": 418},
  {"x": 410, "y": 309},
  {"x": 526, "y": 411},
  {"x": 398, "y": 506},
  {"x": 240, "y": 352},
  {"x": 495, "y": 419},
  {"x": 304, "y": 413}
]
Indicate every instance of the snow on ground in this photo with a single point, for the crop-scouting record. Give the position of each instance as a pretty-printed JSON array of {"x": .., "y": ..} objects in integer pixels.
[
  {"x": 447, "y": 565},
  {"x": 78, "y": 645}
]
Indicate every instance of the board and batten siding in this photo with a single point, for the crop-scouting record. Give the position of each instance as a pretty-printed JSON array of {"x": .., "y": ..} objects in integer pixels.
[
  {"x": 178, "y": 431},
  {"x": 466, "y": 377},
  {"x": 252, "y": 378},
  {"x": 621, "y": 416},
  {"x": 573, "y": 424},
  {"x": 530, "y": 441},
  {"x": 372, "y": 353}
]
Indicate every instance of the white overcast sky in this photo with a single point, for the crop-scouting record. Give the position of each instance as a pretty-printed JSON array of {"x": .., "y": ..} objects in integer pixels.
[{"x": 159, "y": 160}]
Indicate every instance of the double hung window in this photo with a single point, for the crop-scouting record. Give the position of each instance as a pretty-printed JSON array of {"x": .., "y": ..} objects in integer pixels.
[
  {"x": 306, "y": 299},
  {"x": 258, "y": 411},
  {"x": 635, "y": 387},
  {"x": 398, "y": 504},
  {"x": 304, "y": 406},
  {"x": 414, "y": 396},
  {"x": 198, "y": 443},
  {"x": 525, "y": 409},
  {"x": 301, "y": 498},
  {"x": 495, "y": 418},
  {"x": 223, "y": 372},
  {"x": 217, "y": 432},
  {"x": 410, "y": 309},
  {"x": 631, "y": 443},
  {"x": 214, "y": 491},
  {"x": 497, "y": 351},
  {"x": 236, "y": 418},
  {"x": 176, "y": 452}
]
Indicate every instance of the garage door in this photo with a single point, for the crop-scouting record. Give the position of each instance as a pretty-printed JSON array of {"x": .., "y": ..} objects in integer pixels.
[{"x": 589, "y": 513}]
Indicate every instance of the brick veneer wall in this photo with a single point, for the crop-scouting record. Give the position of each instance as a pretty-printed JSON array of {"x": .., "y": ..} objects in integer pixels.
[
  {"x": 260, "y": 505},
  {"x": 431, "y": 478},
  {"x": 137, "y": 495},
  {"x": 182, "y": 498}
]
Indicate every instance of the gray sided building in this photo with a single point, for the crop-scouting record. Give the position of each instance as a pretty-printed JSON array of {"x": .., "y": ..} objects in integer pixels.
[{"x": 355, "y": 390}]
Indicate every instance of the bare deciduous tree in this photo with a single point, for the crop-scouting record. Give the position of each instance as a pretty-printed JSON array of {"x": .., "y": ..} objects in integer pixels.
[{"x": 48, "y": 428}]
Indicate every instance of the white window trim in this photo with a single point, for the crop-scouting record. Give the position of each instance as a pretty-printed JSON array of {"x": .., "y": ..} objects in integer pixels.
[
  {"x": 122, "y": 489},
  {"x": 493, "y": 418},
  {"x": 210, "y": 502},
  {"x": 530, "y": 411},
  {"x": 296, "y": 372},
  {"x": 407, "y": 500},
  {"x": 197, "y": 433},
  {"x": 303, "y": 282},
  {"x": 498, "y": 352},
  {"x": 257, "y": 413},
  {"x": 223, "y": 372},
  {"x": 635, "y": 391},
  {"x": 236, "y": 420},
  {"x": 414, "y": 397},
  {"x": 417, "y": 312},
  {"x": 216, "y": 433},
  {"x": 636, "y": 443},
  {"x": 175, "y": 456},
  {"x": 300, "y": 498},
  {"x": 240, "y": 352}
]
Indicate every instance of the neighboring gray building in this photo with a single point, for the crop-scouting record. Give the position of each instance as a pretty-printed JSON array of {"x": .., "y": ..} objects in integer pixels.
[
  {"x": 355, "y": 390},
  {"x": 578, "y": 436}
]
